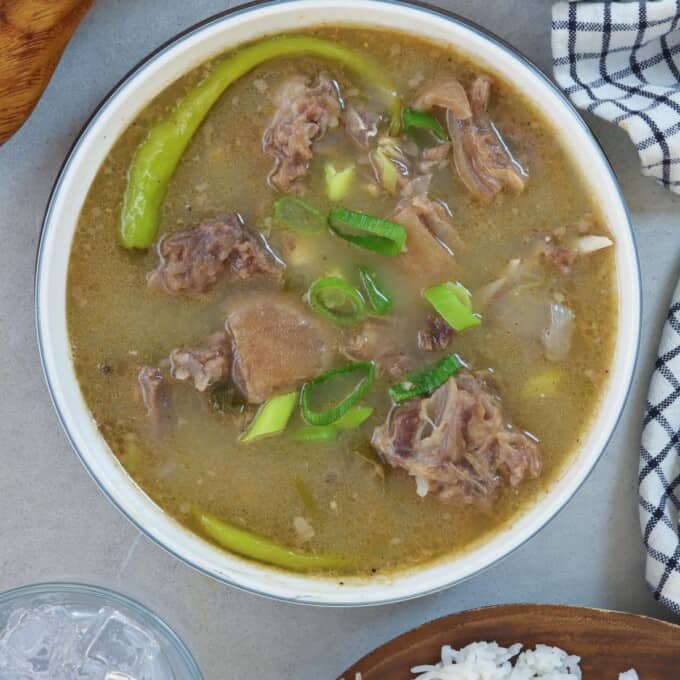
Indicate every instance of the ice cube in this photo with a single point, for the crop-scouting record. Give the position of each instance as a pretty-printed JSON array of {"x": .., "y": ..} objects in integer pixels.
[
  {"x": 120, "y": 645},
  {"x": 89, "y": 670},
  {"x": 28, "y": 641},
  {"x": 63, "y": 659},
  {"x": 51, "y": 642}
]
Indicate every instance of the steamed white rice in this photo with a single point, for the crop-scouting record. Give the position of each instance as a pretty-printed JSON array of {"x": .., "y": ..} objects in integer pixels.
[{"x": 490, "y": 661}]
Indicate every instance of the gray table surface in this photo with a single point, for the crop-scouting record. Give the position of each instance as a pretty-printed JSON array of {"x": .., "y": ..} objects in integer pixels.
[{"x": 55, "y": 524}]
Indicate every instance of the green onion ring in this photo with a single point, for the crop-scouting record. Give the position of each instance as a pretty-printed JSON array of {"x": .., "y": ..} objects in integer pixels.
[
  {"x": 373, "y": 233},
  {"x": 336, "y": 412},
  {"x": 452, "y": 302},
  {"x": 426, "y": 380},
  {"x": 334, "y": 285},
  {"x": 379, "y": 298}
]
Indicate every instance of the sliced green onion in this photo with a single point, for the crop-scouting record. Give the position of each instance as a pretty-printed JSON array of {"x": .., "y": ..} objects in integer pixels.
[
  {"x": 338, "y": 182},
  {"x": 316, "y": 433},
  {"x": 422, "y": 120},
  {"x": 379, "y": 299},
  {"x": 373, "y": 233},
  {"x": 297, "y": 215},
  {"x": 386, "y": 169},
  {"x": 426, "y": 380},
  {"x": 462, "y": 293},
  {"x": 353, "y": 418},
  {"x": 260, "y": 548},
  {"x": 452, "y": 302},
  {"x": 306, "y": 496},
  {"x": 272, "y": 417},
  {"x": 330, "y": 415},
  {"x": 327, "y": 433},
  {"x": 336, "y": 299}
]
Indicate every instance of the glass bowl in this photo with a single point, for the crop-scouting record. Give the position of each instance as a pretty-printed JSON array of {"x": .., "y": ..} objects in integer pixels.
[{"x": 174, "y": 658}]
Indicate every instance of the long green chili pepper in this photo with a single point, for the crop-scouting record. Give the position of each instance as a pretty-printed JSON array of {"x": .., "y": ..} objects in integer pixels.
[
  {"x": 338, "y": 300},
  {"x": 330, "y": 415},
  {"x": 373, "y": 233},
  {"x": 426, "y": 380},
  {"x": 422, "y": 120},
  {"x": 157, "y": 156},
  {"x": 379, "y": 299},
  {"x": 259, "y": 548}
]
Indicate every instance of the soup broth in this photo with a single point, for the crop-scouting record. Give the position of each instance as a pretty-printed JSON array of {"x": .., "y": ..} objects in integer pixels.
[{"x": 338, "y": 496}]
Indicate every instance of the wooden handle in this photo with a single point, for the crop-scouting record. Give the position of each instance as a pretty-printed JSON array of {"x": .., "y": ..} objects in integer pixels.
[{"x": 33, "y": 35}]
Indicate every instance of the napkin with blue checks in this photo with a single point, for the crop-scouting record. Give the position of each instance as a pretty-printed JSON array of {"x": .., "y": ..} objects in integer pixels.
[
  {"x": 659, "y": 477},
  {"x": 621, "y": 61}
]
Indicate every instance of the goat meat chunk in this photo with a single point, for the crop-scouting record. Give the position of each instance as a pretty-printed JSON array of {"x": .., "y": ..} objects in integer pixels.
[
  {"x": 436, "y": 336},
  {"x": 304, "y": 113},
  {"x": 193, "y": 261},
  {"x": 205, "y": 365},
  {"x": 458, "y": 443},
  {"x": 277, "y": 345}
]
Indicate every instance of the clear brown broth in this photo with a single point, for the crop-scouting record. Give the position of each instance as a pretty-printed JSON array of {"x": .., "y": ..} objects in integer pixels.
[{"x": 116, "y": 323}]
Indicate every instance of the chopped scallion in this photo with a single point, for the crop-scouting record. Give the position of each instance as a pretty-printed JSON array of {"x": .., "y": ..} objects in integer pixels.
[
  {"x": 326, "y": 433},
  {"x": 422, "y": 120},
  {"x": 452, "y": 302},
  {"x": 272, "y": 416},
  {"x": 377, "y": 296},
  {"x": 297, "y": 215},
  {"x": 386, "y": 170},
  {"x": 338, "y": 182},
  {"x": 426, "y": 380},
  {"x": 333, "y": 413},
  {"x": 353, "y": 418},
  {"x": 316, "y": 433},
  {"x": 373, "y": 233},
  {"x": 336, "y": 299}
]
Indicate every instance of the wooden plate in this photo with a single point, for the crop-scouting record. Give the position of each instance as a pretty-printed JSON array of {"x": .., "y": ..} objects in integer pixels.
[{"x": 608, "y": 642}]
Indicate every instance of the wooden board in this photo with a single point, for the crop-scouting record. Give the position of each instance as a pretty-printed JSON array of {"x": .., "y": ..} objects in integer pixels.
[
  {"x": 33, "y": 35},
  {"x": 608, "y": 642}
]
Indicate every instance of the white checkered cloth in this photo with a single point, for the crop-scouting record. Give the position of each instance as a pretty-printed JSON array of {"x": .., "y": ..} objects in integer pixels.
[
  {"x": 660, "y": 467},
  {"x": 621, "y": 61}
]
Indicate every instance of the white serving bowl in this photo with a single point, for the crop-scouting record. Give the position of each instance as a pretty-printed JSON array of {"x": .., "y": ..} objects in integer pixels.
[{"x": 154, "y": 74}]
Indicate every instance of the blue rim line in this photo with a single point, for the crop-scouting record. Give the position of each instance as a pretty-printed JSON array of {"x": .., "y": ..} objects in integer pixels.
[{"x": 243, "y": 9}]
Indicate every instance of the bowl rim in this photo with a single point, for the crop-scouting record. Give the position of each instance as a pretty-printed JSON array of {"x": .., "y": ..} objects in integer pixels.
[
  {"x": 465, "y": 25},
  {"x": 103, "y": 593}
]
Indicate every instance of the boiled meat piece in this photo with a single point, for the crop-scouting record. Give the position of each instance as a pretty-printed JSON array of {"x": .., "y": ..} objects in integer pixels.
[
  {"x": 304, "y": 113},
  {"x": 458, "y": 443},
  {"x": 194, "y": 260},
  {"x": 277, "y": 345}
]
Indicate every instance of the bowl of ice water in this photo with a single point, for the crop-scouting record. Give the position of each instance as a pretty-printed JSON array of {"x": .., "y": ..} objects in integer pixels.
[{"x": 67, "y": 631}]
